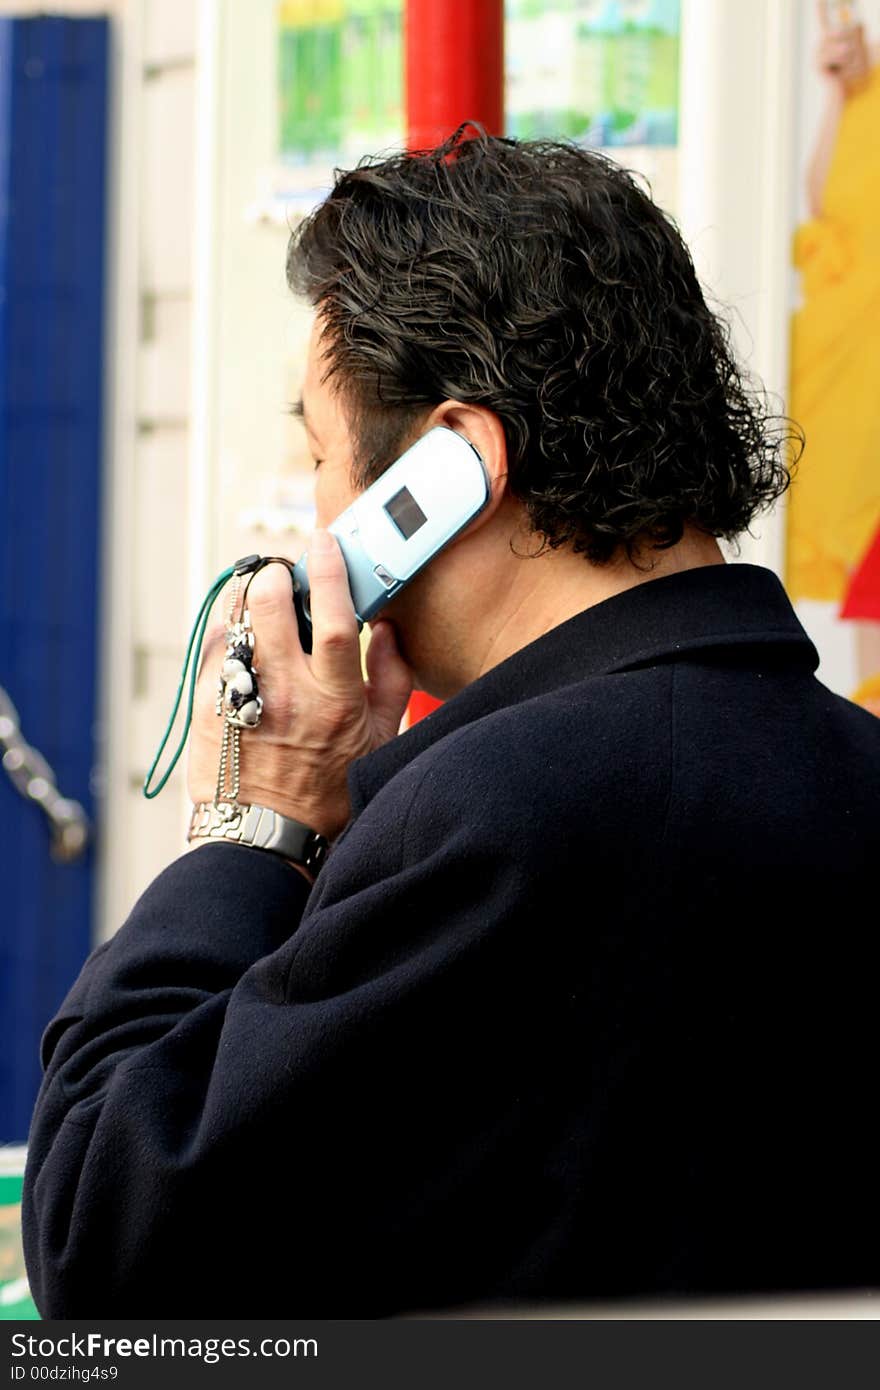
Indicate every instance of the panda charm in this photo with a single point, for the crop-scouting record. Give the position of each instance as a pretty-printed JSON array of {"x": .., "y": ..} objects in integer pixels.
[{"x": 238, "y": 695}]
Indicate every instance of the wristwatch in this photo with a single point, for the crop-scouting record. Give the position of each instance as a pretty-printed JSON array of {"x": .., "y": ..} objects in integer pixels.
[{"x": 260, "y": 827}]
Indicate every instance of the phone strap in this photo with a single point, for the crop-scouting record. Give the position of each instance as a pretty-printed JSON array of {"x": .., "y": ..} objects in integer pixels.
[{"x": 249, "y": 565}]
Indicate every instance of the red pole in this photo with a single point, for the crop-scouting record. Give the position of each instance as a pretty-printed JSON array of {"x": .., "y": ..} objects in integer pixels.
[
  {"x": 454, "y": 68},
  {"x": 454, "y": 72}
]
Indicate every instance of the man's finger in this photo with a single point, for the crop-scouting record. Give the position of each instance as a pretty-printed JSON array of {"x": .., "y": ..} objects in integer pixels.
[
  {"x": 273, "y": 618},
  {"x": 214, "y": 639},
  {"x": 336, "y": 654}
]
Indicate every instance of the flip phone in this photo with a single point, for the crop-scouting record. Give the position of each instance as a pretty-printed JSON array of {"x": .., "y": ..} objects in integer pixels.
[{"x": 400, "y": 522}]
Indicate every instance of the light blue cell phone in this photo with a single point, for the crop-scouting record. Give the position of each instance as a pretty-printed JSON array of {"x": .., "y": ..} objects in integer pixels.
[{"x": 399, "y": 523}]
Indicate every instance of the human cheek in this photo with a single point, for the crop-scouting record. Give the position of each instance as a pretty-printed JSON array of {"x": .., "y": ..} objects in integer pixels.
[{"x": 326, "y": 509}]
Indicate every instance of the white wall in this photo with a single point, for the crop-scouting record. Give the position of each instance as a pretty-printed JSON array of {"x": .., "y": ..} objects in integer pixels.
[
  {"x": 736, "y": 189},
  {"x": 146, "y": 615},
  {"x": 252, "y": 459}
]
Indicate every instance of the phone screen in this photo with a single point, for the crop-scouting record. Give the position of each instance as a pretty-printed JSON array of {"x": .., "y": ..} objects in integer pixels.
[{"x": 405, "y": 512}]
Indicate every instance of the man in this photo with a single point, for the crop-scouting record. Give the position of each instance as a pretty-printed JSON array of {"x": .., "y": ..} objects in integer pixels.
[{"x": 580, "y": 1003}]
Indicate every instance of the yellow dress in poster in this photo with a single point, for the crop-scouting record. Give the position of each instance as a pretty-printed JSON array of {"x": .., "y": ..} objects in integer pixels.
[{"x": 834, "y": 503}]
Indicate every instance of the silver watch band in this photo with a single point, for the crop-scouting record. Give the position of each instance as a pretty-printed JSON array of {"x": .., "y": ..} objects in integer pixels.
[{"x": 260, "y": 827}]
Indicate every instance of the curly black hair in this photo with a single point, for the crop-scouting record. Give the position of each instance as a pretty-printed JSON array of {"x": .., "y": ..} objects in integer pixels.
[{"x": 538, "y": 279}]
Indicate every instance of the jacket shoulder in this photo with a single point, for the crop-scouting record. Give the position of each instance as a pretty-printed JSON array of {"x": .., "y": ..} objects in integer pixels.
[{"x": 585, "y": 758}]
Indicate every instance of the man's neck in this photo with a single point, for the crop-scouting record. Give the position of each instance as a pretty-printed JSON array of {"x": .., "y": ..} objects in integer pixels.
[{"x": 553, "y": 587}]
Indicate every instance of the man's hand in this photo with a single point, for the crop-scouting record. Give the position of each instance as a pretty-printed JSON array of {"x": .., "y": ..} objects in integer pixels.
[{"x": 318, "y": 713}]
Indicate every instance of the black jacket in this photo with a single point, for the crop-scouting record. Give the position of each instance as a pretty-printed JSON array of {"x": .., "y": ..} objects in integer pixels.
[{"x": 582, "y": 1004}]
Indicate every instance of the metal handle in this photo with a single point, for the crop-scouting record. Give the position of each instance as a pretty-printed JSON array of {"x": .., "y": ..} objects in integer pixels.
[{"x": 34, "y": 779}]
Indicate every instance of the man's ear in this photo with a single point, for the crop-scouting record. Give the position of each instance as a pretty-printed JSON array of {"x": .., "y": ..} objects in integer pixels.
[{"x": 486, "y": 432}]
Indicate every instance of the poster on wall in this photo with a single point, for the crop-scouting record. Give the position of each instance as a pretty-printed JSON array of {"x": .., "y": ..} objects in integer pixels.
[
  {"x": 833, "y": 520},
  {"x": 339, "y": 68},
  {"x": 601, "y": 72},
  {"x": 604, "y": 73},
  {"x": 340, "y": 79}
]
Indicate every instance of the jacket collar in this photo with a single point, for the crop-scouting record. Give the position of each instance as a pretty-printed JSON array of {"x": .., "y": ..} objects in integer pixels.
[{"x": 730, "y": 605}]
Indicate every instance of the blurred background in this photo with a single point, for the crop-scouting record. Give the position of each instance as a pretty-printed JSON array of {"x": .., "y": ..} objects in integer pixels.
[{"x": 154, "y": 155}]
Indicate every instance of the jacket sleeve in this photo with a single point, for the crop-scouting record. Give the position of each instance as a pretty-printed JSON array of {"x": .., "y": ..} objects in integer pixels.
[{"x": 259, "y": 1106}]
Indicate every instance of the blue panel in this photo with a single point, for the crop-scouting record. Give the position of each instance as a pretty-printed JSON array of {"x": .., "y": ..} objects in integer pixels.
[{"x": 53, "y": 113}]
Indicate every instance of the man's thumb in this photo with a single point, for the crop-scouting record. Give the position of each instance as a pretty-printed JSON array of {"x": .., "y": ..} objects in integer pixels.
[{"x": 390, "y": 679}]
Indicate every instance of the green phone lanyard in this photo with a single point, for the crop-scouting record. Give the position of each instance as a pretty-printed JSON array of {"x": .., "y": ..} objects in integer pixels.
[{"x": 250, "y": 564}]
